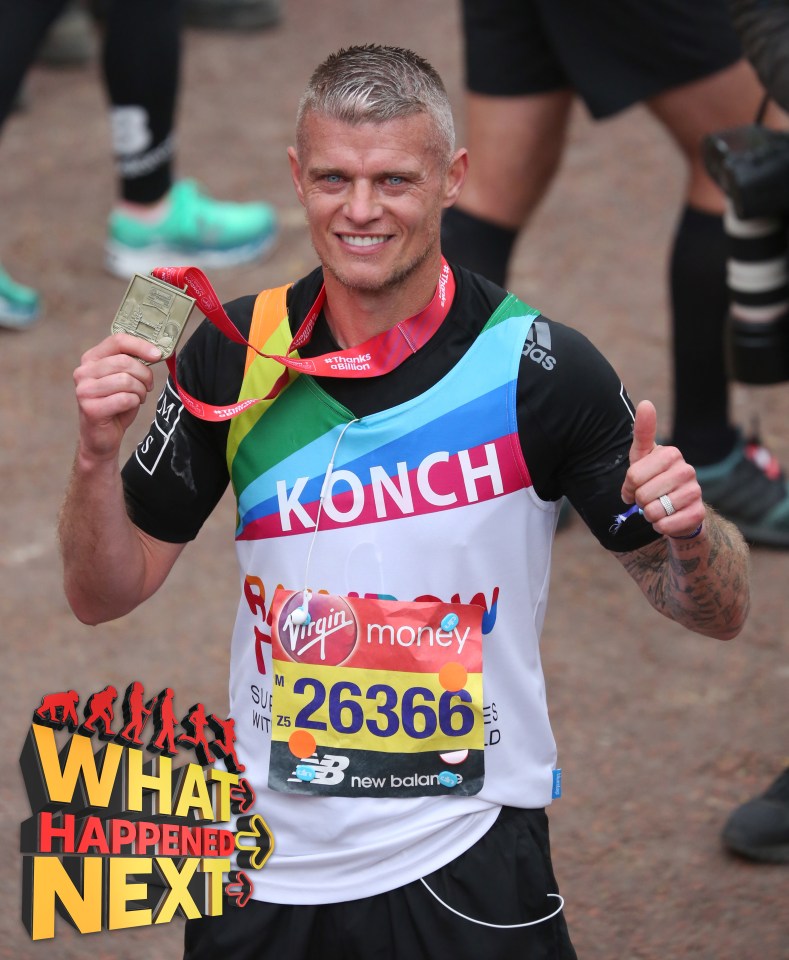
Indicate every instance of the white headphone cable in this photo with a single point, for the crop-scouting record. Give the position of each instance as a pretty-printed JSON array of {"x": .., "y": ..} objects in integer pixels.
[
  {"x": 307, "y": 594},
  {"x": 498, "y": 926}
]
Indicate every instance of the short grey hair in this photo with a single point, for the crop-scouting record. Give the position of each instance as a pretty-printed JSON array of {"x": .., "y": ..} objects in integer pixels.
[{"x": 376, "y": 84}]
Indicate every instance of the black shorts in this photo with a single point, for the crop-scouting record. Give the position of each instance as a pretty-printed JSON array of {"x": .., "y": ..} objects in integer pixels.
[
  {"x": 504, "y": 878},
  {"x": 613, "y": 53}
]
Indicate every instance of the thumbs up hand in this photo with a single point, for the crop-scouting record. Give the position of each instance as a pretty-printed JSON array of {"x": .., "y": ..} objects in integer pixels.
[{"x": 660, "y": 481}]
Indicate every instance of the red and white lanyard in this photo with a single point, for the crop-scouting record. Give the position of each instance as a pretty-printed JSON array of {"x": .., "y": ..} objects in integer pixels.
[{"x": 376, "y": 356}]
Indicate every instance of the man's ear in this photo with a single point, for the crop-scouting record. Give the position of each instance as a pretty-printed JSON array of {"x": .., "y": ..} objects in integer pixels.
[
  {"x": 295, "y": 173},
  {"x": 455, "y": 177}
]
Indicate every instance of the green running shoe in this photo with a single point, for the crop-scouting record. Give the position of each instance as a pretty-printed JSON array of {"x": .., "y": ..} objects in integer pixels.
[
  {"x": 197, "y": 231},
  {"x": 19, "y": 305},
  {"x": 750, "y": 489}
]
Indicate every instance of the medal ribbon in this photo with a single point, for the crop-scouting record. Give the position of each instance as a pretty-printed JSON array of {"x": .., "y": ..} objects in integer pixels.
[{"x": 376, "y": 356}]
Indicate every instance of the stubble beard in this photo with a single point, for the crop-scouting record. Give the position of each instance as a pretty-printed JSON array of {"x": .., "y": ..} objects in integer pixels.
[{"x": 398, "y": 276}]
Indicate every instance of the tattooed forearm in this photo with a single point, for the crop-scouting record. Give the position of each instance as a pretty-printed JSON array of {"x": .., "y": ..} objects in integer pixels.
[{"x": 701, "y": 583}]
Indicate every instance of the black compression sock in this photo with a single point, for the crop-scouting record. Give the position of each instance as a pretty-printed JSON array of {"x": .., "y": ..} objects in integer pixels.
[
  {"x": 23, "y": 26},
  {"x": 700, "y": 306},
  {"x": 141, "y": 62},
  {"x": 477, "y": 244}
]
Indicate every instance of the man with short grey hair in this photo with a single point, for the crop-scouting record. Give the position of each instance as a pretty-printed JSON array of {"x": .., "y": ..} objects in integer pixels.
[
  {"x": 369, "y": 89},
  {"x": 399, "y": 434}
]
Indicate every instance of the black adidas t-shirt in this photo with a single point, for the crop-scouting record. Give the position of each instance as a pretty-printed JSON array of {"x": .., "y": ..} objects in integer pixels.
[{"x": 574, "y": 417}]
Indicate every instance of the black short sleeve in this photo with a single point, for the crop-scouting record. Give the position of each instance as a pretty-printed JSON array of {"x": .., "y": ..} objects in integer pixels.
[
  {"x": 576, "y": 426},
  {"x": 574, "y": 417},
  {"x": 178, "y": 472}
]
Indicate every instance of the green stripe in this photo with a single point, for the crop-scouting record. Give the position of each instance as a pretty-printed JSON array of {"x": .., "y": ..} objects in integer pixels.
[
  {"x": 290, "y": 425},
  {"x": 308, "y": 412},
  {"x": 259, "y": 379},
  {"x": 510, "y": 306}
]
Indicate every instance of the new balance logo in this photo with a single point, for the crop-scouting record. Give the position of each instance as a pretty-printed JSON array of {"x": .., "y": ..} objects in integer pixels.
[
  {"x": 327, "y": 770},
  {"x": 538, "y": 345}
]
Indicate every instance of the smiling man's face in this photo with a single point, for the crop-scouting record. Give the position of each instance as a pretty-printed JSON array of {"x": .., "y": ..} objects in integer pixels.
[{"x": 373, "y": 194}]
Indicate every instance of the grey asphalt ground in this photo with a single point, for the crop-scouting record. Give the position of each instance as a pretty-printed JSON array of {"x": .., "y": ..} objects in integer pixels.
[{"x": 661, "y": 733}]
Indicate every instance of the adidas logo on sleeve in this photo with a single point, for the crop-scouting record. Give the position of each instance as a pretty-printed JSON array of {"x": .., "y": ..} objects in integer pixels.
[{"x": 538, "y": 345}]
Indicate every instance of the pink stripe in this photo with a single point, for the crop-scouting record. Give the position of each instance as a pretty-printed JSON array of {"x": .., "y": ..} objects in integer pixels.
[{"x": 442, "y": 479}]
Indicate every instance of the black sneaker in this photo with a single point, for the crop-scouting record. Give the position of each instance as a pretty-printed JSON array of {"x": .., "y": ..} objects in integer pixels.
[
  {"x": 759, "y": 829},
  {"x": 749, "y": 488}
]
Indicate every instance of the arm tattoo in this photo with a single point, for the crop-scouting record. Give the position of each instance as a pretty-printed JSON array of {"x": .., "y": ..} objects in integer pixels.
[{"x": 701, "y": 585}]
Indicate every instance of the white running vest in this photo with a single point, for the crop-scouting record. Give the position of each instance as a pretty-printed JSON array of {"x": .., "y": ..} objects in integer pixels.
[{"x": 429, "y": 499}]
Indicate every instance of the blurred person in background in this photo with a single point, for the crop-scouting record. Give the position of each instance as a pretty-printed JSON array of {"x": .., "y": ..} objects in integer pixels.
[
  {"x": 526, "y": 62},
  {"x": 758, "y": 184},
  {"x": 414, "y": 428},
  {"x": 158, "y": 219}
]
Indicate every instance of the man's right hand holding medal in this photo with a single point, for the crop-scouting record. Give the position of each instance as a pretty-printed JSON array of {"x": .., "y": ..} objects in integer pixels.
[
  {"x": 110, "y": 565},
  {"x": 112, "y": 382}
]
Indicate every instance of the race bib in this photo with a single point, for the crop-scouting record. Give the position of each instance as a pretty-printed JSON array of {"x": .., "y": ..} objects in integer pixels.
[{"x": 376, "y": 698}]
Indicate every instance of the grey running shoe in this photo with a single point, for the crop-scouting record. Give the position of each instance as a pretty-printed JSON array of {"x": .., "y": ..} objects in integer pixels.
[
  {"x": 22, "y": 99},
  {"x": 232, "y": 14},
  {"x": 759, "y": 829},
  {"x": 71, "y": 40},
  {"x": 565, "y": 515},
  {"x": 750, "y": 489}
]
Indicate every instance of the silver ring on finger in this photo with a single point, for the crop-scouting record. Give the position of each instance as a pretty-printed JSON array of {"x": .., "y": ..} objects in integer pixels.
[{"x": 668, "y": 506}]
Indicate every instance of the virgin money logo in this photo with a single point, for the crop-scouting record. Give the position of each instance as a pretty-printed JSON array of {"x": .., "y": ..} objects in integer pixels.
[{"x": 328, "y": 638}]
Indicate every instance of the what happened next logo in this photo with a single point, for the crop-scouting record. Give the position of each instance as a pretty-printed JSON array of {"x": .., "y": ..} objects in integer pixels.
[{"x": 121, "y": 837}]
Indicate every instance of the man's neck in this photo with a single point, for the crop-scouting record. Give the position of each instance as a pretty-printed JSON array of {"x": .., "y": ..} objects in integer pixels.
[{"x": 354, "y": 316}]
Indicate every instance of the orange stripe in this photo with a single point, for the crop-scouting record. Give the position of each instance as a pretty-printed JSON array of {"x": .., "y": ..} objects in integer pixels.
[{"x": 271, "y": 306}]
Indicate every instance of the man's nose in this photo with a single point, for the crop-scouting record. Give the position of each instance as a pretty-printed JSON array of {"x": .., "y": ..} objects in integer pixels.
[{"x": 361, "y": 205}]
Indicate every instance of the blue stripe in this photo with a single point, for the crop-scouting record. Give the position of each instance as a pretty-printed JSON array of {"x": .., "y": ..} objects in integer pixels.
[
  {"x": 444, "y": 409},
  {"x": 471, "y": 425}
]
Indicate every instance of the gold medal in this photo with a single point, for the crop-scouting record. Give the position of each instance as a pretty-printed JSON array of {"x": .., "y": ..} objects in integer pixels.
[{"x": 154, "y": 311}]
